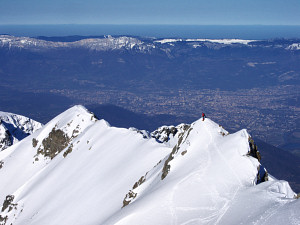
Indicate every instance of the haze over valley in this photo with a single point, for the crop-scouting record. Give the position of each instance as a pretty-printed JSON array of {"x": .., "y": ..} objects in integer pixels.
[{"x": 239, "y": 83}]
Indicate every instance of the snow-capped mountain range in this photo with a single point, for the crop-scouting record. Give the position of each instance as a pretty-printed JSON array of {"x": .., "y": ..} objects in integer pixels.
[
  {"x": 97, "y": 44},
  {"x": 133, "y": 43},
  {"x": 14, "y": 128},
  {"x": 77, "y": 169}
]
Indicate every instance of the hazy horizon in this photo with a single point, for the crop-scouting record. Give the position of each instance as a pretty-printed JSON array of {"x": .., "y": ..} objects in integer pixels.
[{"x": 158, "y": 31}]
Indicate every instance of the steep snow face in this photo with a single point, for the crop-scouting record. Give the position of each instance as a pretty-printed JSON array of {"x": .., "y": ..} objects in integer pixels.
[
  {"x": 89, "y": 173},
  {"x": 80, "y": 170},
  {"x": 23, "y": 160},
  {"x": 14, "y": 128},
  {"x": 207, "y": 175}
]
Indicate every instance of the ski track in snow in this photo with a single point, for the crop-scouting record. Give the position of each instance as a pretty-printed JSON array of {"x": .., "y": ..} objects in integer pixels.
[
  {"x": 226, "y": 206},
  {"x": 270, "y": 212},
  {"x": 175, "y": 208},
  {"x": 198, "y": 172}
]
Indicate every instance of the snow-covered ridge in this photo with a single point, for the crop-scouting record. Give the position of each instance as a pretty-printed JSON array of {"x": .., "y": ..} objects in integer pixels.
[
  {"x": 14, "y": 128},
  {"x": 98, "y": 44},
  {"x": 112, "y": 43},
  {"x": 220, "y": 41},
  {"x": 77, "y": 166},
  {"x": 295, "y": 46},
  {"x": 109, "y": 42}
]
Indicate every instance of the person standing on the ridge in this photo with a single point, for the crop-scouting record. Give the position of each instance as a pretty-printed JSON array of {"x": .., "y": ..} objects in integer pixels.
[{"x": 203, "y": 116}]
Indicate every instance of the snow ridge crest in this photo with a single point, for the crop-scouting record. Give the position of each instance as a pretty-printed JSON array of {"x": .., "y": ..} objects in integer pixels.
[{"x": 193, "y": 173}]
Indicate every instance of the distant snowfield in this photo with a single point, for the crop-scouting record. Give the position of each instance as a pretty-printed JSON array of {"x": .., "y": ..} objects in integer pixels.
[
  {"x": 220, "y": 41},
  {"x": 80, "y": 170},
  {"x": 295, "y": 46},
  {"x": 108, "y": 43}
]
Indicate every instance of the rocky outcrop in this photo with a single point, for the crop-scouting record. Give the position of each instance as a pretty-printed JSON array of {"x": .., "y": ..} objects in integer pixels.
[
  {"x": 7, "y": 207},
  {"x": 167, "y": 165},
  {"x": 5, "y": 137},
  {"x": 253, "y": 151},
  {"x": 58, "y": 136},
  {"x": 262, "y": 173},
  {"x": 53, "y": 144},
  {"x": 128, "y": 198},
  {"x": 68, "y": 151},
  {"x": 166, "y": 134},
  {"x": 8, "y": 203},
  {"x": 162, "y": 135},
  {"x": 144, "y": 133},
  {"x": 34, "y": 142}
]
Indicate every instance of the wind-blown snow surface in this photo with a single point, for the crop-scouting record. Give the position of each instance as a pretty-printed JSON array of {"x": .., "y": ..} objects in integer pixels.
[
  {"x": 14, "y": 128},
  {"x": 108, "y": 175}
]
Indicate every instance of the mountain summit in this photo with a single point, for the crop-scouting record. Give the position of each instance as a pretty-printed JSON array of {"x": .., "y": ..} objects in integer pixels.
[{"x": 80, "y": 170}]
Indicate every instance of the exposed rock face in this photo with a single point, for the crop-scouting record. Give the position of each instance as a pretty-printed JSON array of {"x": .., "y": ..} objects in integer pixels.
[
  {"x": 262, "y": 173},
  {"x": 139, "y": 182},
  {"x": 163, "y": 133},
  {"x": 34, "y": 142},
  {"x": 169, "y": 134},
  {"x": 54, "y": 143},
  {"x": 59, "y": 136},
  {"x": 7, "y": 207},
  {"x": 3, "y": 220},
  {"x": 131, "y": 195},
  {"x": 253, "y": 149},
  {"x": 5, "y": 137},
  {"x": 69, "y": 150},
  {"x": 128, "y": 198},
  {"x": 167, "y": 166},
  {"x": 8, "y": 203}
]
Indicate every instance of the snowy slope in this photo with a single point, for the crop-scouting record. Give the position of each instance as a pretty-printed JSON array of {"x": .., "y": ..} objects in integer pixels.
[
  {"x": 207, "y": 179},
  {"x": 14, "y": 128},
  {"x": 84, "y": 187},
  {"x": 80, "y": 170}
]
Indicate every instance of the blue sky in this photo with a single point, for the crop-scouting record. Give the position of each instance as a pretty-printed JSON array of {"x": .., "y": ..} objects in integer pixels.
[{"x": 194, "y": 12}]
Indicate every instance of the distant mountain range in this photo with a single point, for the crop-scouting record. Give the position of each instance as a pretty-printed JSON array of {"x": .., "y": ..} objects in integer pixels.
[
  {"x": 77, "y": 169},
  {"x": 239, "y": 83},
  {"x": 106, "y": 43},
  {"x": 152, "y": 63}
]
